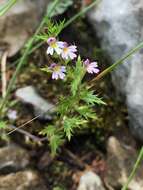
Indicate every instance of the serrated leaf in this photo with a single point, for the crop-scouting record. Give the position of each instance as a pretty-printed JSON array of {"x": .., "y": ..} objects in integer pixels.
[
  {"x": 71, "y": 123},
  {"x": 78, "y": 75},
  {"x": 61, "y": 7},
  {"x": 55, "y": 141},
  {"x": 46, "y": 69},
  {"x": 49, "y": 130},
  {"x": 86, "y": 112},
  {"x": 66, "y": 104},
  {"x": 52, "y": 29},
  {"x": 55, "y": 138},
  {"x": 90, "y": 98}
]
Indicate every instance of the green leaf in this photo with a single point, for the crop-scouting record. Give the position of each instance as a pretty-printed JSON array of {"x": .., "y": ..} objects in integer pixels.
[
  {"x": 46, "y": 69},
  {"x": 55, "y": 141},
  {"x": 66, "y": 104},
  {"x": 90, "y": 98},
  {"x": 52, "y": 29},
  {"x": 61, "y": 7},
  {"x": 78, "y": 75},
  {"x": 87, "y": 112},
  {"x": 55, "y": 138},
  {"x": 3, "y": 125},
  {"x": 71, "y": 123},
  {"x": 49, "y": 130}
]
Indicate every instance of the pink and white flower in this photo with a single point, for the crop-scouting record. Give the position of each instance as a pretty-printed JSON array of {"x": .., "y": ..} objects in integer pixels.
[
  {"x": 91, "y": 67},
  {"x": 58, "y": 72},
  {"x": 54, "y": 46},
  {"x": 68, "y": 52}
]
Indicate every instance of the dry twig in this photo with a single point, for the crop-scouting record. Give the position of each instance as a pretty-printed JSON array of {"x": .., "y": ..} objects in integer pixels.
[{"x": 3, "y": 73}]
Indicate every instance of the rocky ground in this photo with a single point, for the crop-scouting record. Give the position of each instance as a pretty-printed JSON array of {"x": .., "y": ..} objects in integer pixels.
[
  {"x": 100, "y": 157},
  {"x": 83, "y": 168}
]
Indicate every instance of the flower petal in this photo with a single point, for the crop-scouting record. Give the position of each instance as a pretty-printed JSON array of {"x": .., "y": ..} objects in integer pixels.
[
  {"x": 94, "y": 64},
  {"x": 58, "y": 50},
  {"x": 51, "y": 40},
  {"x": 50, "y": 51},
  {"x": 72, "y": 55},
  {"x": 63, "y": 68},
  {"x": 61, "y": 44},
  {"x": 55, "y": 75},
  {"x": 73, "y": 48},
  {"x": 61, "y": 75},
  {"x": 64, "y": 55}
]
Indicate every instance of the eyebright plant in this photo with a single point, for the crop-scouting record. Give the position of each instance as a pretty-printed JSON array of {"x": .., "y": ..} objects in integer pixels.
[{"x": 76, "y": 108}]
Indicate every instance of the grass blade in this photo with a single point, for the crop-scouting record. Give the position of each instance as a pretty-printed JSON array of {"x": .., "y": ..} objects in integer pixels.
[
  {"x": 7, "y": 6},
  {"x": 136, "y": 165},
  {"x": 118, "y": 62}
]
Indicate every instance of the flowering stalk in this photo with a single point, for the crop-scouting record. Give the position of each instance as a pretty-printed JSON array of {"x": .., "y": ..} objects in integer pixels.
[
  {"x": 66, "y": 52},
  {"x": 75, "y": 110}
]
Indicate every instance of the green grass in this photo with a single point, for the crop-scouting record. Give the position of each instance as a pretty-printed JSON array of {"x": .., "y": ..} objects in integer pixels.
[{"x": 4, "y": 9}]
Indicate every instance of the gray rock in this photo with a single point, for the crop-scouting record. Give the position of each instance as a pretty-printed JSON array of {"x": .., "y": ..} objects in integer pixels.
[
  {"x": 119, "y": 26},
  {"x": 121, "y": 158},
  {"x": 25, "y": 180},
  {"x": 41, "y": 106},
  {"x": 90, "y": 181},
  {"x": 19, "y": 23},
  {"x": 13, "y": 158}
]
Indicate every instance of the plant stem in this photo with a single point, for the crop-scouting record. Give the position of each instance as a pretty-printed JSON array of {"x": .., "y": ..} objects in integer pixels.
[
  {"x": 118, "y": 62},
  {"x": 139, "y": 159},
  {"x": 7, "y": 6},
  {"x": 25, "y": 55},
  {"x": 81, "y": 13}
]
